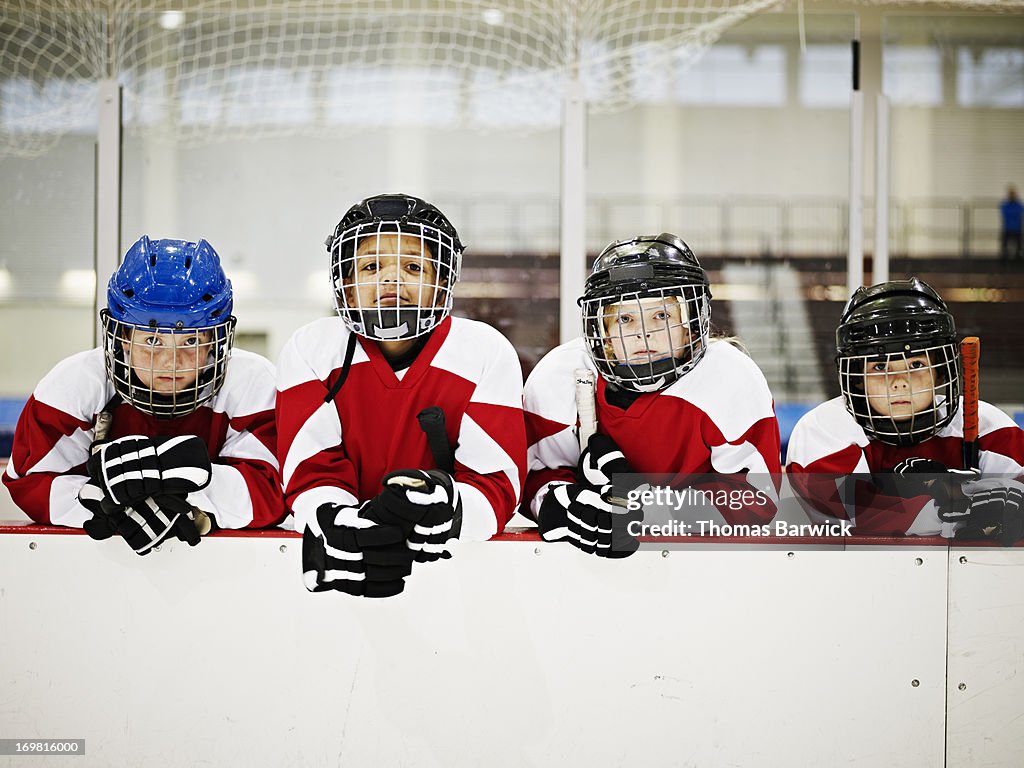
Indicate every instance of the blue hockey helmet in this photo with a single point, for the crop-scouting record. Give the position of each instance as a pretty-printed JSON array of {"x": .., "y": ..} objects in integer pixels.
[{"x": 168, "y": 288}]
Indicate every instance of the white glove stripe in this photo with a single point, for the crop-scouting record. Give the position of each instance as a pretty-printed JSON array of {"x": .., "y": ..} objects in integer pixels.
[
  {"x": 90, "y": 492},
  {"x": 341, "y": 554},
  {"x": 173, "y": 442},
  {"x": 160, "y": 515},
  {"x": 424, "y": 530},
  {"x": 196, "y": 475},
  {"x": 436, "y": 496},
  {"x": 335, "y": 575},
  {"x": 593, "y": 499},
  {"x": 349, "y": 517},
  {"x": 588, "y": 542},
  {"x": 581, "y": 523},
  {"x": 612, "y": 456},
  {"x": 135, "y": 475},
  {"x": 424, "y": 546},
  {"x": 555, "y": 534}
]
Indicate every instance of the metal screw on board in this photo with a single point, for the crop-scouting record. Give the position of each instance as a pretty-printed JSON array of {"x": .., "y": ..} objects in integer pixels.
[
  {"x": 915, "y": 683},
  {"x": 32, "y": 545},
  {"x": 962, "y": 686},
  {"x": 918, "y": 561},
  {"x": 536, "y": 550},
  {"x": 664, "y": 553},
  {"x": 963, "y": 560},
  {"x": 791, "y": 555},
  {"x": 283, "y": 548}
]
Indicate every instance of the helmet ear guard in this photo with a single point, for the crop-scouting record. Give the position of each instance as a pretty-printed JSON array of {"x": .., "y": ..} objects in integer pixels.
[
  {"x": 659, "y": 293},
  {"x": 422, "y": 299},
  {"x": 904, "y": 326},
  {"x": 174, "y": 292}
]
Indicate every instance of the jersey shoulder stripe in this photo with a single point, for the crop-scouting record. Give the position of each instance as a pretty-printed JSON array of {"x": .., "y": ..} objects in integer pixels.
[
  {"x": 249, "y": 385},
  {"x": 77, "y": 385},
  {"x": 314, "y": 351},
  {"x": 728, "y": 387},
  {"x": 823, "y": 431}
]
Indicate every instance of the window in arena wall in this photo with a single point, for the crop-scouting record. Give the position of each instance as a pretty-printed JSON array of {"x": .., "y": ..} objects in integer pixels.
[
  {"x": 75, "y": 100},
  {"x": 735, "y": 75},
  {"x": 825, "y": 76},
  {"x": 372, "y": 96},
  {"x": 990, "y": 77},
  {"x": 912, "y": 75}
]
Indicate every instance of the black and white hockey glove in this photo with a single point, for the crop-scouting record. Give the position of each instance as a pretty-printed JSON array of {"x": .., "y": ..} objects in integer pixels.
[
  {"x": 580, "y": 514},
  {"x": 993, "y": 513},
  {"x": 600, "y": 460},
  {"x": 135, "y": 467},
  {"x": 345, "y": 549},
  {"x": 143, "y": 524},
  {"x": 915, "y": 476},
  {"x": 426, "y": 504},
  {"x": 918, "y": 466}
]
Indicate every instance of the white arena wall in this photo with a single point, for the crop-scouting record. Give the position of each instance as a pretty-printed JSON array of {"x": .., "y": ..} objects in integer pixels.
[{"x": 515, "y": 653}]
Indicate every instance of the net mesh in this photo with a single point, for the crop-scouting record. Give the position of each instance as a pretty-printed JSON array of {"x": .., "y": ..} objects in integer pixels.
[
  {"x": 206, "y": 70},
  {"x": 222, "y": 70}
]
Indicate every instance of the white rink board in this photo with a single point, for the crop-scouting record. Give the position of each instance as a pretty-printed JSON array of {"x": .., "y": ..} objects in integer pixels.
[
  {"x": 499, "y": 657},
  {"x": 986, "y": 656}
]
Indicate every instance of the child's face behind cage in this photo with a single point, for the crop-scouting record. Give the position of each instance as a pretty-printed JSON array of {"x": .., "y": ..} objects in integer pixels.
[
  {"x": 166, "y": 362},
  {"x": 643, "y": 331},
  {"x": 391, "y": 270},
  {"x": 900, "y": 387}
]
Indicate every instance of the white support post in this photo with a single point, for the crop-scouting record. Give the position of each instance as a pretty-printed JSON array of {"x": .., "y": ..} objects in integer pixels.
[
  {"x": 573, "y": 217},
  {"x": 107, "y": 255},
  {"x": 855, "y": 250},
  {"x": 880, "y": 263}
]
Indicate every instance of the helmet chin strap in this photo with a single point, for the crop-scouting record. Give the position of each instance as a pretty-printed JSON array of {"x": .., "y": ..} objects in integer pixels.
[
  {"x": 629, "y": 378},
  {"x": 393, "y": 323}
]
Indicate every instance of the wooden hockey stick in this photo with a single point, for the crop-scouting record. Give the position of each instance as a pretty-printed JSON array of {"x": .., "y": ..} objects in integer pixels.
[{"x": 970, "y": 353}]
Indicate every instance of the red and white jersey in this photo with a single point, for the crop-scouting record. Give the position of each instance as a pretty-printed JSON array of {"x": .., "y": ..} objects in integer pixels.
[
  {"x": 339, "y": 451},
  {"x": 718, "y": 418},
  {"x": 828, "y": 444},
  {"x": 56, "y": 429}
]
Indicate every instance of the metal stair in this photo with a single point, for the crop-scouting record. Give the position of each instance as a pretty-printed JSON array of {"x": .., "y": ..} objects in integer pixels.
[{"x": 770, "y": 318}]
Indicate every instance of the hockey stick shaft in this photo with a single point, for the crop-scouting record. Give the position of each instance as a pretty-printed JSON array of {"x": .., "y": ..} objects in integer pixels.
[
  {"x": 970, "y": 353},
  {"x": 432, "y": 423},
  {"x": 586, "y": 407}
]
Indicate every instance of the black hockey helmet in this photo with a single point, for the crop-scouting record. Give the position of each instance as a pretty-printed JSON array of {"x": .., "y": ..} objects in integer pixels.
[
  {"x": 891, "y": 322},
  {"x": 406, "y": 216},
  {"x": 643, "y": 271}
]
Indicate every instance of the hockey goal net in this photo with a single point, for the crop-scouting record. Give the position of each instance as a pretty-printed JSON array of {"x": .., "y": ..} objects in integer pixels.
[{"x": 202, "y": 70}]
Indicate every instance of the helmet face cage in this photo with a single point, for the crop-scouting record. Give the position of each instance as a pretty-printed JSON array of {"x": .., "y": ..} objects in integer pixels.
[
  {"x": 902, "y": 398},
  {"x": 163, "y": 371},
  {"x": 395, "y": 260},
  {"x": 644, "y": 340},
  {"x": 898, "y": 361}
]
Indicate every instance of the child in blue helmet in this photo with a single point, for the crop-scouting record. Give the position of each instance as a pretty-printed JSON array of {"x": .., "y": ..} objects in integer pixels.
[{"x": 154, "y": 434}]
